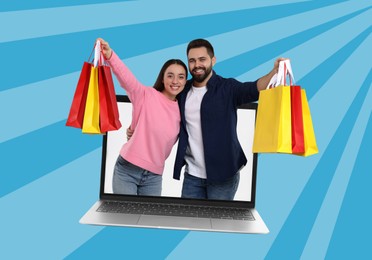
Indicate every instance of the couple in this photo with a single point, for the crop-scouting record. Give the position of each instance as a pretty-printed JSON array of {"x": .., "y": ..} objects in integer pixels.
[{"x": 201, "y": 112}]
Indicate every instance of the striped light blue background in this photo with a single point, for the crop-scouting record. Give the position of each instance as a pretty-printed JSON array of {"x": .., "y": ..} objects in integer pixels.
[{"x": 315, "y": 208}]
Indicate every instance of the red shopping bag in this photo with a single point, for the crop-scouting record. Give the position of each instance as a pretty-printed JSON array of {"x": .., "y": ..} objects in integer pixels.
[
  {"x": 298, "y": 145},
  {"x": 76, "y": 115},
  {"x": 310, "y": 146},
  {"x": 109, "y": 113},
  {"x": 297, "y": 127},
  {"x": 303, "y": 136}
]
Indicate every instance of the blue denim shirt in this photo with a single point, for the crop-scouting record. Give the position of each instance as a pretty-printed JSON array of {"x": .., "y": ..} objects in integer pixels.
[{"x": 223, "y": 153}]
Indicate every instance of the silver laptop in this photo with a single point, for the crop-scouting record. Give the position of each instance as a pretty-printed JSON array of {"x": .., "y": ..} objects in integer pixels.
[{"x": 170, "y": 211}]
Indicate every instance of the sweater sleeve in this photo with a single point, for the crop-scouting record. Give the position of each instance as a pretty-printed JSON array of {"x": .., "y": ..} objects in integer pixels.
[{"x": 127, "y": 80}]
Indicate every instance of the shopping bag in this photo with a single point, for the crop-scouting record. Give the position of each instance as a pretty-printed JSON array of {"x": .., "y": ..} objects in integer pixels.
[
  {"x": 91, "y": 114},
  {"x": 273, "y": 132},
  {"x": 285, "y": 70},
  {"x": 303, "y": 136},
  {"x": 310, "y": 146},
  {"x": 297, "y": 125},
  {"x": 76, "y": 115},
  {"x": 109, "y": 113},
  {"x": 94, "y": 107},
  {"x": 272, "y": 123}
]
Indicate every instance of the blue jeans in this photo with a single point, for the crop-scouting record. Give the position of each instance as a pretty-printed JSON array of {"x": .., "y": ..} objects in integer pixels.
[
  {"x": 131, "y": 179},
  {"x": 197, "y": 188}
]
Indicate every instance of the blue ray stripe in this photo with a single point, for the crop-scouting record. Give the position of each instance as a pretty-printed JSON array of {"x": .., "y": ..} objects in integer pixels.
[
  {"x": 41, "y": 220},
  {"x": 265, "y": 53},
  {"x": 51, "y": 64},
  {"x": 17, "y": 5},
  {"x": 32, "y": 23},
  {"x": 301, "y": 219},
  {"x": 130, "y": 243},
  {"x": 350, "y": 239},
  {"x": 268, "y": 32},
  {"x": 36, "y": 105},
  {"x": 308, "y": 55},
  {"x": 321, "y": 232},
  {"x": 31, "y": 156},
  {"x": 319, "y": 75}
]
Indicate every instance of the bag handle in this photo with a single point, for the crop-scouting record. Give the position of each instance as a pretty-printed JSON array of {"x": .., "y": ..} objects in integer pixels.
[
  {"x": 97, "y": 54},
  {"x": 272, "y": 81},
  {"x": 288, "y": 70},
  {"x": 95, "y": 50},
  {"x": 285, "y": 69},
  {"x": 90, "y": 56},
  {"x": 280, "y": 78},
  {"x": 98, "y": 59}
]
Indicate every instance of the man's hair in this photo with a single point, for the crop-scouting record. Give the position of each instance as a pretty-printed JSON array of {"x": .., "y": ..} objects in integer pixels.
[{"x": 197, "y": 43}]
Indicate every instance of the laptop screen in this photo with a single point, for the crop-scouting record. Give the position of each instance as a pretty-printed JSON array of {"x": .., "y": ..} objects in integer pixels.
[{"x": 171, "y": 188}]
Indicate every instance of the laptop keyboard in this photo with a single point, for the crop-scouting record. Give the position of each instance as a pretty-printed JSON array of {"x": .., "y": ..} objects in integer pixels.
[{"x": 175, "y": 210}]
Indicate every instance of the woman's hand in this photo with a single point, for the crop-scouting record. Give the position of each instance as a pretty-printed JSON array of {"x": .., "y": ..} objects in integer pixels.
[{"x": 105, "y": 48}]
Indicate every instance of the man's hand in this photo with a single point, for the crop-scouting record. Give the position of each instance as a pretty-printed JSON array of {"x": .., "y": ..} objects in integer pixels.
[
  {"x": 264, "y": 81},
  {"x": 129, "y": 133}
]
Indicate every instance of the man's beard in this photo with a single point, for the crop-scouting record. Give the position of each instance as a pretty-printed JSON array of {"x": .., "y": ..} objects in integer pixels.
[{"x": 202, "y": 77}]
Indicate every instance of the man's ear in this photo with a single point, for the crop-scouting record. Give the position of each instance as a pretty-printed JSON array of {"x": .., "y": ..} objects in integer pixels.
[{"x": 213, "y": 60}]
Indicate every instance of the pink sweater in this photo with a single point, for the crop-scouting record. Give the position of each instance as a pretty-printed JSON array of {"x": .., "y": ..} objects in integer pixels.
[{"x": 155, "y": 119}]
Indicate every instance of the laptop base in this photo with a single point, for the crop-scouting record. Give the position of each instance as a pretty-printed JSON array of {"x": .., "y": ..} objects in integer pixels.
[{"x": 94, "y": 217}]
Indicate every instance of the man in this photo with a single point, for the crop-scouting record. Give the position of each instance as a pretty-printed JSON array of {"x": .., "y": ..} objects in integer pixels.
[{"x": 208, "y": 143}]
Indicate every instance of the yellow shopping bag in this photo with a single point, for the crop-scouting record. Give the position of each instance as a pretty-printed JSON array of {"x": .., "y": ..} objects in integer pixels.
[
  {"x": 309, "y": 135},
  {"x": 273, "y": 132},
  {"x": 91, "y": 114}
]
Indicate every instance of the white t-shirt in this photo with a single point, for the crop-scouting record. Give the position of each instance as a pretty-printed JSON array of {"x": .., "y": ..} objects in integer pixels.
[{"x": 195, "y": 163}]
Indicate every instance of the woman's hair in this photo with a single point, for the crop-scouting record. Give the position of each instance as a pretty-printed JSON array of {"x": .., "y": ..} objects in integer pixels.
[
  {"x": 159, "y": 85},
  {"x": 198, "y": 43}
]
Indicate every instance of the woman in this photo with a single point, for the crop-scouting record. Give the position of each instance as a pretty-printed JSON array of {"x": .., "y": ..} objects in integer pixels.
[{"x": 156, "y": 121}]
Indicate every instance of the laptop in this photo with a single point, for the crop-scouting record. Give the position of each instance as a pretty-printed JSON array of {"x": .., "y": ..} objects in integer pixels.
[{"x": 170, "y": 211}]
